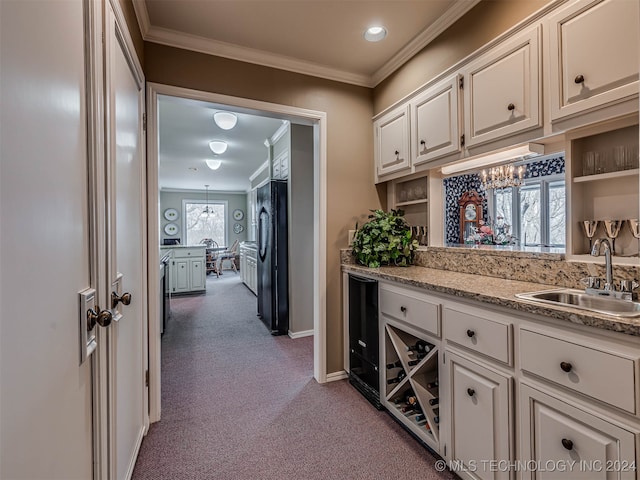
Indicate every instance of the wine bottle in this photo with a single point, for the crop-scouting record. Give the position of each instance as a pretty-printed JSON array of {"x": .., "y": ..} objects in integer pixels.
[
  {"x": 434, "y": 401},
  {"x": 398, "y": 378},
  {"x": 420, "y": 346},
  {"x": 394, "y": 365},
  {"x": 436, "y": 419},
  {"x": 421, "y": 418},
  {"x": 411, "y": 363},
  {"x": 433, "y": 384}
]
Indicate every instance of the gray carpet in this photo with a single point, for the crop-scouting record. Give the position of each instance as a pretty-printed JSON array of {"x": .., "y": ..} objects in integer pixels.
[{"x": 238, "y": 403}]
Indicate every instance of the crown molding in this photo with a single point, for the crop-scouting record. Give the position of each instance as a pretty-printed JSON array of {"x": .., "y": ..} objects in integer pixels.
[
  {"x": 173, "y": 38},
  {"x": 199, "y": 44},
  {"x": 260, "y": 169},
  {"x": 453, "y": 13}
]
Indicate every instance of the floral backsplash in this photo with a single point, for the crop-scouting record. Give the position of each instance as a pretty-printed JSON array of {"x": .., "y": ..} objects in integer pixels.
[{"x": 454, "y": 187}]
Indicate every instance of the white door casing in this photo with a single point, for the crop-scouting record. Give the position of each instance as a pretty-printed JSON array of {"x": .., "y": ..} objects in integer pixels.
[
  {"x": 45, "y": 247},
  {"x": 319, "y": 121},
  {"x": 126, "y": 249}
]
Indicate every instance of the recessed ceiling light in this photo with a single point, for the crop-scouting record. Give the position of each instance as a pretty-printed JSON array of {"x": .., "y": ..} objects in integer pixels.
[
  {"x": 375, "y": 33},
  {"x": 214, "y": 164},
  {"x": 225, "y": 120},
  {"x": 218, "y": 147}
]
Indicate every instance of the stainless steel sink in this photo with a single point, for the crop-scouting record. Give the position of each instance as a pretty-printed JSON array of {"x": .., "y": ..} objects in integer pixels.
[{"x": 579, "y": 299}]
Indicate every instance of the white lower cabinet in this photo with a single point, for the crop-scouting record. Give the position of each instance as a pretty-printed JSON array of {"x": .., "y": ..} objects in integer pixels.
[
  {"x": 509, "y": 397},
  {"x": 249, "y": 267},
  {"x": 481, "y": 418},
  {"x": 565, "y": 442},
  {"x": 188, "y": 270}
]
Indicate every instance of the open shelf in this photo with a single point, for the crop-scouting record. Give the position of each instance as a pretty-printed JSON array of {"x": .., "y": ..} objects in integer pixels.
[
  {"x": 414, "y": 399},
  {"x": 412, "y": 202},
  {"x": 606, "y": 176}
]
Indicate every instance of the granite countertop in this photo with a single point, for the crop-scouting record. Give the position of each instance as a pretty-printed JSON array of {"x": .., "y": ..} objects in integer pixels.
[{"x": 495, "y": 291}]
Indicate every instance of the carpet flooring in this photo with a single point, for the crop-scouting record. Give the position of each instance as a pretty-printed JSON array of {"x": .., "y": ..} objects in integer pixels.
[{"x": 238, "y": 403}]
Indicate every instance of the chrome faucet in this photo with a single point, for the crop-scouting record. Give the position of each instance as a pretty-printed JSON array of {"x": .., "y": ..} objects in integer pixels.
[{"x": 595, "y": 251}]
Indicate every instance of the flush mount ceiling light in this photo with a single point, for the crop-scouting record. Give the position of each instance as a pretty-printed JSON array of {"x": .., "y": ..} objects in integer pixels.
[
  {"x": 214, "y": 164},
  {"x": 225, "y": 120},
  {"x": 218, "y": 147},
  {"x": 375, "y": 33},
  {"x": 479, "y": 161}
]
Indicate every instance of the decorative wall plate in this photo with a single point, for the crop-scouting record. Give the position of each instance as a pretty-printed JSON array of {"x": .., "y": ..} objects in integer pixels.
[
  {"x": 171, "y": 214},
  {"x": 237, "y": 228},
  {"x": 238, "y": 214},
  {"x": 171, "y": 229}
]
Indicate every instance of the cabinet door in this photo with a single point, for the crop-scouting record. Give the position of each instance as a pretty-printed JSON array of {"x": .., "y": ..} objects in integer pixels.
[
  {"x": 593, "y": 52},
  {"x": 182, "y": 276},
  {"x": 434, "y": 122},
  {"x": 481, "y": 415},
  {"x": 392, "y": 141},
  {"x": 502, "y": 90},
  {"x": 557, "y": 434},
  {"x": 197, "y": 275}
]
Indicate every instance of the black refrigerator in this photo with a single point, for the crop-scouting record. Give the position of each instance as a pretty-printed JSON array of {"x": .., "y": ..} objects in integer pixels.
[{"x": 273, "y": 277}]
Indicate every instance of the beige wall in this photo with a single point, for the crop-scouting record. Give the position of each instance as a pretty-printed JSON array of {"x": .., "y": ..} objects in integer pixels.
[
  {"x": 481, "y": 24},
  {"x": 351, "y": 192}
]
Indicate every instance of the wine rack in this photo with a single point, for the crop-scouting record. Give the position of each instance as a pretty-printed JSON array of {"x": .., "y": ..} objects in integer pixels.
[{"x": 418, "y": 388}]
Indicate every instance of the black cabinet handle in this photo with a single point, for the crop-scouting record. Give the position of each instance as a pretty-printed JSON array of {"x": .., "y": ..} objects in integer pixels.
[
  {"x": 568, "y": 444},
  {"x": 471, "y": 333},
  {"x": 403, "y": 309},
  {"x": 511, "y": 107},
  {"x": 579, "y": 79},
  {"x": 397, "y": 153},
  {"x": 566, "y": 366},
  {"x": 471, "y": 392},
  {"x": 422, "y": 142}
]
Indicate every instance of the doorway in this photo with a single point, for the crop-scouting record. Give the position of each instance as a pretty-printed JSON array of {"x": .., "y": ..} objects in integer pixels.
[{"x": 314, "y": 119}]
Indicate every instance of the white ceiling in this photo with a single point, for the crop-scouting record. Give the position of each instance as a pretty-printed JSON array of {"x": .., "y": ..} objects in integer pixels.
[
  {"x": 317, "y": 37},
  {"x": 323, "y": 38},
  {"x": 185, "y": 129}
]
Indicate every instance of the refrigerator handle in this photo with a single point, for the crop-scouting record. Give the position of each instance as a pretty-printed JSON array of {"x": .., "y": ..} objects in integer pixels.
[{"x": 263, "y": 237}]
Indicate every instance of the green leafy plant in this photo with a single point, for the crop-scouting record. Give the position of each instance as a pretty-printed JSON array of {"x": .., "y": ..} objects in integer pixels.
[{"x": 384, "y": 240}]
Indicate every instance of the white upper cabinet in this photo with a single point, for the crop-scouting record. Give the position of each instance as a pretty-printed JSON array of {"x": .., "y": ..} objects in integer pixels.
[
  {"x": 593, "y": 54},
  {"x": 434, "y": 122},
  {"x": 392, "y": 150},
  {"x": 502, "y": 89}
]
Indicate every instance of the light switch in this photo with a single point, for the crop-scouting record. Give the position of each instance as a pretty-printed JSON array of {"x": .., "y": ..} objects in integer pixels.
[{"x": 88, "y": 342}]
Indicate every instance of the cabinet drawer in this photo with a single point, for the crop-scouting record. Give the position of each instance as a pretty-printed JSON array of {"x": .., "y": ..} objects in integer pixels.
[
  {"x": 410, "y": 308},
  {"x": 602, "y": 375},
  {"x": 489, "y": 337},
  {"x": 188, "y": 252},
  {"x": 555, "y": 433}
]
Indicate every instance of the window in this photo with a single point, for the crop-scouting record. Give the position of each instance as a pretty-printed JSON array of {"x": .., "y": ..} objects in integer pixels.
[
  {"x": 199, "y": 225},
  {"x": 534, "y": 212}
]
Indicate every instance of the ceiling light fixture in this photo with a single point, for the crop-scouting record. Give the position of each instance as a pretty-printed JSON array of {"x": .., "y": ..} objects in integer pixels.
[
  {"x": 375, "y": 33},
  {"x": 225, "y": 120},
  {"x": 501, "y": 156},
  {"x": 207, "y": 210},
  {"x": 218, "y": 147},
  {"x": 214, "y": 164}
]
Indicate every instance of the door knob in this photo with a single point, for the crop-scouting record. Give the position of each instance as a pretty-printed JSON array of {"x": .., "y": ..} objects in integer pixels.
[
  {"x": 97, "y": 316},
  {"x": 125, "y": 299}
]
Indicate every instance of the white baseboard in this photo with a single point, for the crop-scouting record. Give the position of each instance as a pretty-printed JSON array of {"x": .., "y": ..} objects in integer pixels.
[
  {"x": 304, "y": 333},
  {"x": 335, "y": 376}
]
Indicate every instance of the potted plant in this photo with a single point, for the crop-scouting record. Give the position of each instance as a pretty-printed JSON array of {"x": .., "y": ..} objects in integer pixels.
[{"x": 384, "y": 240}]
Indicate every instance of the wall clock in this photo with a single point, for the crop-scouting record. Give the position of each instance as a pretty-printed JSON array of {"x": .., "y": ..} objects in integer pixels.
[
  {"x": 237, "y": 228},
  {"x": 171, "y": 214},
  {"x": 238, "y": 214},
  {"x": 171, "y": 229}
]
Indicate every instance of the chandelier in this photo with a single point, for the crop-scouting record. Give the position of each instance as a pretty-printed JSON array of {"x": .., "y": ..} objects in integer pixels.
[
  {"x": 502, "y": 177},
  {"x": 207, "y": 210}
]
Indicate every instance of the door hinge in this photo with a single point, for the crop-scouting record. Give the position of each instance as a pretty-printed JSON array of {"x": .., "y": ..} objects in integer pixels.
[
  {"x": 461, "y": 82},
  {"x": 146, "y": 378},
  {"x": 462, "y": 140},
  {"x": 445, "y": 449},
  {"x": 144, "y": 122}
]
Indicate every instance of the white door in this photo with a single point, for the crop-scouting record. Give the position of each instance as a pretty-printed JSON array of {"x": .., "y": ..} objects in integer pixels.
[
  {"x": 45, "y": 393},
  {"x": 126, "y": 252}
]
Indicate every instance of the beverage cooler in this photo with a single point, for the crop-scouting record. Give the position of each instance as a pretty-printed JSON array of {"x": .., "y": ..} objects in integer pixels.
[{"x": 363, "y": 338}]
